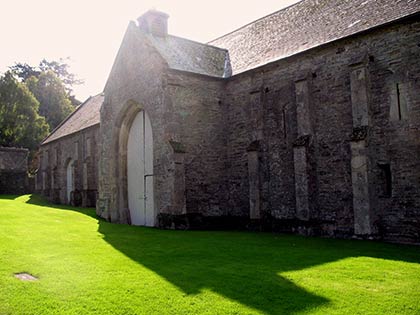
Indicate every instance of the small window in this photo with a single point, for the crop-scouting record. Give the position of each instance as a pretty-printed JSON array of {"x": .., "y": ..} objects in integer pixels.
[
  {"x": 284, "y": 124},
  {"x": 399, "y": 109},
  {"x": 399, "y": 102},
  {"x": 385, "y": 180}
]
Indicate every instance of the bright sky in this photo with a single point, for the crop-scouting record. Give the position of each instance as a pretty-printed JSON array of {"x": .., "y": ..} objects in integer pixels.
[{"x": 90, "y": 31}]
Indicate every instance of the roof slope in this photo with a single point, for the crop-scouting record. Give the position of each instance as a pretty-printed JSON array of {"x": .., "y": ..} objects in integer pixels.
[
  {"x": 86, "y": 115},
  {"x": 305, "y": 25},
  {"x": 187, "y": 55}
]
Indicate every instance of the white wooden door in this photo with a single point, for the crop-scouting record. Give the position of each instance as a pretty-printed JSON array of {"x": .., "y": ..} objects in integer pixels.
[
  {"x": 70, "y": 180},
  {"x": 140, "y": 171}
]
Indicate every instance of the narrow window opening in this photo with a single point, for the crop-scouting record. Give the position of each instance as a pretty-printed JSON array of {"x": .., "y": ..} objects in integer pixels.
[
  {"x": 385, "y": 180},
  {"x": 399, "y": 102},
  {"x": 284, "y": 124}
]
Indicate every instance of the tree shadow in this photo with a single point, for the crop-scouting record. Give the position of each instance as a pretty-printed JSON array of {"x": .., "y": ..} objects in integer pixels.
[
  {"x": 40, "y": 201},
  {"x": 8, "y": 197},
  {"x": 241, "y": 266}
]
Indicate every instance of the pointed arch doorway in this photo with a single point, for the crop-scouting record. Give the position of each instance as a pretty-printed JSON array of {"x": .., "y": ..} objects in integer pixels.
[{"x": 140, "y": 171}]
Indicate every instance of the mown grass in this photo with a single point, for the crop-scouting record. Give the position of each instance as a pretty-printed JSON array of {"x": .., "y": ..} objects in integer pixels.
[{"x": 88, "y": 266}]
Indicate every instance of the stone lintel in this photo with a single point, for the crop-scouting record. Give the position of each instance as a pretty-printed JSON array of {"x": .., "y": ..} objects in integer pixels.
[
  {"x": 359, "y": 61},
  {"x": 303, "y": 76}
]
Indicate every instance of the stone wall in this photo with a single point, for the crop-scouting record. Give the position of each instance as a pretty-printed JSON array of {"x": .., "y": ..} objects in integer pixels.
[
  {"x": 325, "y": 142},
  {"x": 14, "y": 171},
  {"x": 187, "y": 124},
  {"x": 134, "y": 84},
  {"x": 81, "y": 148},
  {"x": 199, "y": 125},
  {"x": 317, "y": 114}
]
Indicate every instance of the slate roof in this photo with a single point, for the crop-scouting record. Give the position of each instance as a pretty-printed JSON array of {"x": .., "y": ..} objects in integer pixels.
[
  {"x": 187, "y": 55},
  {"x": 86, "y": 115},
  {"x": 304, "y": 25},
  {"x": 307, "y": 24}
]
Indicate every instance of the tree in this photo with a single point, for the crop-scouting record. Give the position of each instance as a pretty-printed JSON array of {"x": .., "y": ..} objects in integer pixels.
[
  {"x": 48, "y": 89},
  {"x": 20, "y": 123},
  {"x": 24, "y": 71},
  {"x": 61, "y": 69}
]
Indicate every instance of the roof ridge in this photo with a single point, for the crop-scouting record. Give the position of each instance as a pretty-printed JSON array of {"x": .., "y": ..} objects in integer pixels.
[
  {"x": 259, "y": 19},
  {"x": 198, "y": 43},
  {"x": 190, "y": 56},
  {"x": 305, "y": 25}
]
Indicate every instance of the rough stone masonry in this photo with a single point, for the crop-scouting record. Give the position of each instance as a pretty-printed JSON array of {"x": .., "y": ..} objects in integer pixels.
[
  {"x": 305, "y": 121},
  {"x": 14, "y": 171}
]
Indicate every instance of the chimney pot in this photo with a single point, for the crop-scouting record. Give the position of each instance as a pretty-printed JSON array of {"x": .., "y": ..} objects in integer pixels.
[{"x": 154, "y": 22}]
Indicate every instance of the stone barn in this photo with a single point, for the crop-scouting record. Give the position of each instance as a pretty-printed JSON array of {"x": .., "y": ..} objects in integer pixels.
[
  {"x": 69, "y": 157},
  {"x": 306, "y": 121}
]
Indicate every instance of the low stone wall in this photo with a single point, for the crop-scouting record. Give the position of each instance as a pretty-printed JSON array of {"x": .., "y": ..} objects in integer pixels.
[{"x": 14, "y": 171}]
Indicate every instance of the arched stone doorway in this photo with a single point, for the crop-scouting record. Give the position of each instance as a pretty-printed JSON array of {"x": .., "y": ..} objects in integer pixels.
[
  {"x": 115, "y": 191},
  {"x": 140, "y": 171},
  {"x": 69, "y": 180}
]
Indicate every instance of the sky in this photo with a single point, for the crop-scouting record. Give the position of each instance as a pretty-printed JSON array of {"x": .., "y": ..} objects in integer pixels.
[{"x": 90, "y": 32}]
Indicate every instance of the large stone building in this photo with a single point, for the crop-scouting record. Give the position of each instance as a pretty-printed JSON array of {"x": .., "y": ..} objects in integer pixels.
[
  {"x": 307, "y": 120},
  {"x": 68, "y": 171}
]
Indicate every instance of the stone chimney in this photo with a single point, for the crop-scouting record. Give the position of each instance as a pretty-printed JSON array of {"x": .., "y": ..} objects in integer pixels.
[{"x": 154, "y": 22}]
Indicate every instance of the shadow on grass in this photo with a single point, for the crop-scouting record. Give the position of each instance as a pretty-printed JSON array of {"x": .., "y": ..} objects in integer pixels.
[
  {"x": 8, "y": 197},
  {"x": 243, "y": 267},
  {"x": 40, "y": 201}
]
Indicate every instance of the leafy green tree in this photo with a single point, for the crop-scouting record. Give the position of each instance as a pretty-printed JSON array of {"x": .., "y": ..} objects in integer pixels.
[
  {"x": 24, "y": 71},
  {"x": 48, "y": 89},
  {"x": 20, "y": 123},
  {"x": 61, "y": 69}
]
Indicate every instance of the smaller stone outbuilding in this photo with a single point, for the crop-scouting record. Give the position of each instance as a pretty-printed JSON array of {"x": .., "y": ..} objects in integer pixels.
[
  {"x": 67, "y": 171},
  {"x": 14, "y": 171}
]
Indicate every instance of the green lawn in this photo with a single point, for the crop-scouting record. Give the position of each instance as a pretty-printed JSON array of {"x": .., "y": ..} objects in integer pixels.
[{"x": 88, "y": 266}]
